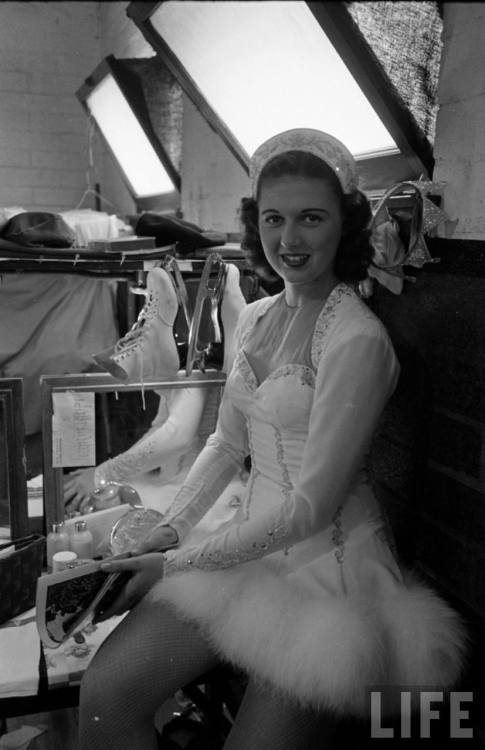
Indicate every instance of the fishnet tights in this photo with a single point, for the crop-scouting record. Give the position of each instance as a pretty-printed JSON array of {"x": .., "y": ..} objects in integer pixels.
[{"x": 146, "y": 660}]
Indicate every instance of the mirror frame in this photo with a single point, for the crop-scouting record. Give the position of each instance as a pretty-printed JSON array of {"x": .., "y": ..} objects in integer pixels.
[
  {"x": 11, "y": 397},
  {"x": 96, "y": 383}
]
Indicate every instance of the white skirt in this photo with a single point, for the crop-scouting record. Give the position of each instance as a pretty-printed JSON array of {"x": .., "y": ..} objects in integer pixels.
[{"x": 324, "y": 650}]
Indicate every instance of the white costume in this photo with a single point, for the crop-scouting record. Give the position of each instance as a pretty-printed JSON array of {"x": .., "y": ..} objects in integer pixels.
[{"x": 300, "y": 587}]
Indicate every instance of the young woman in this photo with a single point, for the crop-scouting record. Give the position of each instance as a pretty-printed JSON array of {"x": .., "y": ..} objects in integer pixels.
[{"x": 301, "y": 588}]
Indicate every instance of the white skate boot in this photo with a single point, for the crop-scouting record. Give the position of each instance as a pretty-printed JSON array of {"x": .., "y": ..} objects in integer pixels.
[{"x": 148, "y": 351}]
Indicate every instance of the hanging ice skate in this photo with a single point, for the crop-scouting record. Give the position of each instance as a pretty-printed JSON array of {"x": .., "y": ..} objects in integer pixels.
[
  {"x": 210, "y": 289},
  {"x": 211, "y": 338},
  {"x": 181, "y": 328},
  {"x": 148, "y": 351}
]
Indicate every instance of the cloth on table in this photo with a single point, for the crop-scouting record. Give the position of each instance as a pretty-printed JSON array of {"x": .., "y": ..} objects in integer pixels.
[
  {"x": 169, "y": 230},
  {"x": 55, "y": 324}
]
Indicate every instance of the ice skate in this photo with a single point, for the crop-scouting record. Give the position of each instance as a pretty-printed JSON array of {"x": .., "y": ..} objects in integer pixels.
[
  {"x": 148, "y": 351},
  {"x": 219, "y": 284},
  {"x": 183, "y": 319}
]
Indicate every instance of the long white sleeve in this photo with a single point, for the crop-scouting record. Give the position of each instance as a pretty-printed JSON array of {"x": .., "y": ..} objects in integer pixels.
[
  {"x": 354, "y": 380},
  {"x": 213, "y": 469}
]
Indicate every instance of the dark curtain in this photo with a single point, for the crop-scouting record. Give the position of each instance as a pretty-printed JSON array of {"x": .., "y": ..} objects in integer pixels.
[
  {"x": 406, "y": 39},
  {"x": 163, "y": 98}
]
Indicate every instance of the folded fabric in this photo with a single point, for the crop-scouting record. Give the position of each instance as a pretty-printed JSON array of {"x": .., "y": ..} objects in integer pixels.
[
  {"x": 38, "y": 229},
  {"x": 6, "y": 213},
  {"x": 169, "y": 230},
  {"x": 88, "y": 224}
]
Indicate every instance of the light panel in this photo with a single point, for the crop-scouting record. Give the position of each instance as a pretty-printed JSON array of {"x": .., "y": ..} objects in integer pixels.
[
  {"x": 264, "y": 67},
  {"x": 127, "y": 139}
]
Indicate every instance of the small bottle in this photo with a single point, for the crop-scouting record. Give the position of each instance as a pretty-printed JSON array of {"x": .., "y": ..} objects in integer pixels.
[
  {"x": 82, "y": 541},
  {"x": 57, "y": 541},
  {"x": 62, "y": 560}
]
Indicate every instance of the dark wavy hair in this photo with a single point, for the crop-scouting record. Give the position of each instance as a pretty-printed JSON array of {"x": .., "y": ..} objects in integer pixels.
[{"x": 354, "y": 252}]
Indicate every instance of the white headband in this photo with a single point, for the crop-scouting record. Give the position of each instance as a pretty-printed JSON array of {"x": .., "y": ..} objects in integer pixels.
[{"x": 325, "y": 146}]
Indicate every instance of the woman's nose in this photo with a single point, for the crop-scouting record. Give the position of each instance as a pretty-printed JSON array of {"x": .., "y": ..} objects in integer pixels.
[{"x": 290, "y": 237}]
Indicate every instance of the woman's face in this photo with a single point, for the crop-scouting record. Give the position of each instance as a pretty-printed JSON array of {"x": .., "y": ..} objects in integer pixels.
[{"x": 300, "y": 224}]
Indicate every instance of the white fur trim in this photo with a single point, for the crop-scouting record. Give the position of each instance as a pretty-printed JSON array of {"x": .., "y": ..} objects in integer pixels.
[{"x": 326, "y": 651}]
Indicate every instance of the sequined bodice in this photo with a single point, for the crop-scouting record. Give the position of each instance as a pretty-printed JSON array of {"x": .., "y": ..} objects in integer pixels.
[
  {"x": 307, "y": 421},
  {"x": 277, "y": 413}
]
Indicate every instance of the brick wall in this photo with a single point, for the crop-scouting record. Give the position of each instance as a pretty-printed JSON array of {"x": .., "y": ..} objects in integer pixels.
[
  {"x": 428, "y": 461},
  {"x": 46, "y": 51},
  {"x": 213, "y": 181}
]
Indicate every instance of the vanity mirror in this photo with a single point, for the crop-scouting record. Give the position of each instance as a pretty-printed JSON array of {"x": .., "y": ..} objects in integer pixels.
[{"x": 77, "y": 428}]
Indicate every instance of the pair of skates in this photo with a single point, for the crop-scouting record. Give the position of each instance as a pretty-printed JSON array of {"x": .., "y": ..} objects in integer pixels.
[{"x": 152, "y": 350}]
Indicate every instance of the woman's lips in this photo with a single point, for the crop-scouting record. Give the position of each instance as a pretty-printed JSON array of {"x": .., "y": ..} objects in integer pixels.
[{"x": 294, "y": 260}]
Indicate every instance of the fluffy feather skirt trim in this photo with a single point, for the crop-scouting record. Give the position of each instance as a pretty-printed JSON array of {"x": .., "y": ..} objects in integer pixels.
[{"x": 326, "y": 651}]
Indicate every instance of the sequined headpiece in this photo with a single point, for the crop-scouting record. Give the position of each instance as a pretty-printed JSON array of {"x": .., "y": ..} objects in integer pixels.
[{"x": 325, "y": 146}]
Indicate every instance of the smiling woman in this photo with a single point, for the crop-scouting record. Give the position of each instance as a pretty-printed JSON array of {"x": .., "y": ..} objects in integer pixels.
[
  {"x": 330, "y": 212},
  {"x": 301, "y": 588},
  {"x": 300, "y": 223}
]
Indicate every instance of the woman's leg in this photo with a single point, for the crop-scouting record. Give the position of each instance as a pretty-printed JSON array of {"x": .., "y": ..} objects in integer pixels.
[
  {"x": 150, "y": 655},
  {"x": 268, "y": 720}
]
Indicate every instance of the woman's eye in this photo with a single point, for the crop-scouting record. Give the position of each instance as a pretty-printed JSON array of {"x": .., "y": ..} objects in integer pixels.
[
  {"x": 272, "y": 220},
  {"x": 312, "y": 219}
]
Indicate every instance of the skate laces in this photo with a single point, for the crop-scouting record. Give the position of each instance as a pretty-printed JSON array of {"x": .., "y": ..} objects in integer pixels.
[{"x": 136, "y": 330}]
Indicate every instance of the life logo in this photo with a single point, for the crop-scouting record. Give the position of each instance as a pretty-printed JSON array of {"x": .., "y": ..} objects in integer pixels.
[{"x": 421, "y": 714}]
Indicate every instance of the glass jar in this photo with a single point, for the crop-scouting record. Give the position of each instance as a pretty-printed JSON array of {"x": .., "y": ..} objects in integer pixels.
[
  {"x": 82, "y": 541},
  {"x": 57, "y": 541}
]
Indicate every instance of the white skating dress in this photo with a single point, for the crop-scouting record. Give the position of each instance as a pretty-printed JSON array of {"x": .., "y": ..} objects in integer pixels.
[{"x": 301, "y": 587}]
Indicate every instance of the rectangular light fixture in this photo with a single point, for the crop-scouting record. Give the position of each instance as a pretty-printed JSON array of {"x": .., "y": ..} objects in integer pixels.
[
  {"x": 259, "y": 67},
  {"x": 114, "y": 97}
]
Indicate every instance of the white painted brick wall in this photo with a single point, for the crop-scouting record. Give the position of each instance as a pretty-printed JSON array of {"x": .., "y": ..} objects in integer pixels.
[
  {"x": 47, "y": 49},
  {"x": 460, "y": 132},
  {"x": 213, "y": 181}
]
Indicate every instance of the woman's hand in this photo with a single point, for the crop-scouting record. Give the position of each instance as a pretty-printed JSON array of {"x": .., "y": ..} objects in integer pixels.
[
  {"x": 78, "y": 487},
  {"x": 157, "y": 540},
  {"x": 146, "y": 571}
]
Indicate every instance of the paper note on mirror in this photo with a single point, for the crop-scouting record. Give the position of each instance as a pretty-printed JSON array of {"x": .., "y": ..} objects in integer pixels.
[{"x": 73, "y": 429}]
